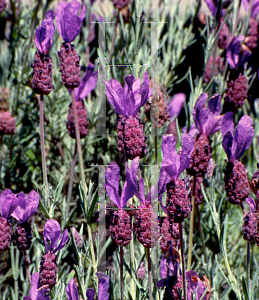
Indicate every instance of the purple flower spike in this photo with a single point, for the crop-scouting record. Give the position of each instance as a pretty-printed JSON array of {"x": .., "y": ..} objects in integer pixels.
[
  {"x": 71, "y": 290},
  {"x": 235, "y": 146},
  {"x": 52, "y": 232},
  {"x": 112, "y": 183},
  {"x": 67, "y": 19},
  {"x": 103, "y": 286},
  {"x": 27, "y": 206},
  {"x": 255, "y": 7},
  {"x": 127, "y": 101},
  {"x": 44, "y": 34},
  {"x": 35, "y": 293},
  {"x": 237, "y": 54},
  {"x": 87, "y": 84},
  {"x": 90, "y": 294},
  {"x": 174, "y": 107}
]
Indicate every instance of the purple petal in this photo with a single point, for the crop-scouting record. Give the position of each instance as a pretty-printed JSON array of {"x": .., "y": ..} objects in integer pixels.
[
  {"x": 255, "y": 9},
  {"x": 71, "y": 290},
  {"x": 195, "y": 285},
  {"x": 175, "y": 105},
  {"x": 211, "y": 7},
  {"x": 164, "y": 179},
  {"x": 115, "y": 95},
  {"x": 213, "y": 125},
  {"x": 227, "y": 123},
  {"x": 163, "y": 267},
  {"x": 31, "y": 206},
  {"x": 6, "y": 199},
  {"x": 52, "y": 233},
  {"x": 130, "y": 186},
  {"x": 198, "y": 107},
  {"x": 88, "y": 82},
  {"x": 203, "y": 119},
  {"x": 227, "y": 145},
  {"x": 132, "y": 95},
  {"x": 103, "y": 286},
  {"x": 187, "y": 148},
  {"x": 161, "y": 283},
  {"x": 34, "y": 286},
  {"x": 18, "y": 213},
  {"x": 63, "y": 241},
  {"x": 60, "y": 17},
  {"x": 214, "y": 104},
  {"x": 250, "y": 201},
  {"x": 246, "y": 4},
  {"x": 141, "y": 193},
  {"x": 144, "y": 91},
  {"x": 233, "y": 50},
  {"x": 153, "y": 193},
  {"x": 243, "y": 136},
  {"x": 112, "y": 176},
  {"x": 168, "y": 148},
  {"x": 26, "y": 298},
  {"x": 44, "y": 33},
  {"x": 90, "y": 294}
]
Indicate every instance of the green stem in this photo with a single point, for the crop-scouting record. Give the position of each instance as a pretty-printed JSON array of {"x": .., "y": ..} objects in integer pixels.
[
  {"x": 191, "y": 226},
  {"x": 113, "y": 38},
  {"x": 201, "y": 233},
  {"x": 183, "y": 259},
  {"x": 71, "y": 180},
  {"x": 42, "y": 142},
  {"x": 248, "y": 268},
  {"x": 121, "y": 273},
  {"x": 149, "y": 274}
]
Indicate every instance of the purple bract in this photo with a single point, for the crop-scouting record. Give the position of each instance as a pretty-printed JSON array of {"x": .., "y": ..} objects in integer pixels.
[
  {"x": 195, "y": 286},
  {"x": 8, "y": 203},
  {"x": 44, "y": 33},
  {"x": 67, "y": 19},
  {"x": 52, "y": 232},
  {"x": 255, "y": 7},
  {"x": 175, "y": 105},
  {"x": 127, "y": 101},
  {"x": 112, "y": 175},
  {"x": 35, "y": 293},
  {"x": 235, "y": 145}
]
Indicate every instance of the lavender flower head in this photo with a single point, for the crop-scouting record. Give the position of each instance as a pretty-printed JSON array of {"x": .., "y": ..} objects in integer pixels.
[
  {"x": 235, "y": 145},
  {"x": 67, "y": 19},
  {"x": 208, "y": 121},
  {"x": 249, "y": 229},
  {"x": 27, "y": 207},
  {"x": 120, "y": 227},
  {"x": 103, "y": 287},
  {"x": 35, "y": 292},
  {"x": 48, "y": 264},
  {"x": 8, "y": 203},
  {"x": 87, "y": 84},
  {"x": 178, "y": 205},
  {"x": 44, "y": 33}
]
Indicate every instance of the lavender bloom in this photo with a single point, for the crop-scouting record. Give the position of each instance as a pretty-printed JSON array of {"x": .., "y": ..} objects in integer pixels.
[
  {"x": 103, "y": 286},
  {"x": 141, "y": 273},
  {"x": 8, "y": 203},
  {"x": 35, "y": 292},
  {"x": 175, "y": 105},
  {"x": 90, "y": 294},
  {"x": 178, "y": 205},
  {"x": 120, "y": 227},
  {"x": 27, "y": 207},
  {"x": 71, "y": 290},
  {"x": 127, "y": 101},
  {"x": 48, "y": 268},
  {"x": 67, "y": 19},
  {"x": 213, "y": 6},
  {"x": 44, "y": 33},
  {"x": 255, "y": 7},
  {"x": 249, "y": 229},
  {"x": 196, "y": 286},
  {"x": 208, "y": 121},
  {"x": 235, "y": 145},
  {"x": 237, "y": 54}
]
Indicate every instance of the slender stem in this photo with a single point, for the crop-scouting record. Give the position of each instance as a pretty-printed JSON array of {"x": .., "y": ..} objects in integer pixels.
[
  {"x": 156, "y": 155},
  {"x": 121, "y": 269},
  {"x": 149, "y": 274},
  {"x": 42, "y": 142},
  {"x": 78, "y": 139},
  {"x": 248, "y": 268},
  {"x": 183, "y": 261},
  {"x": 201, "y": 233},
  {"x": 71, "y": 180},
  {"x": 191, "y": 226}
]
